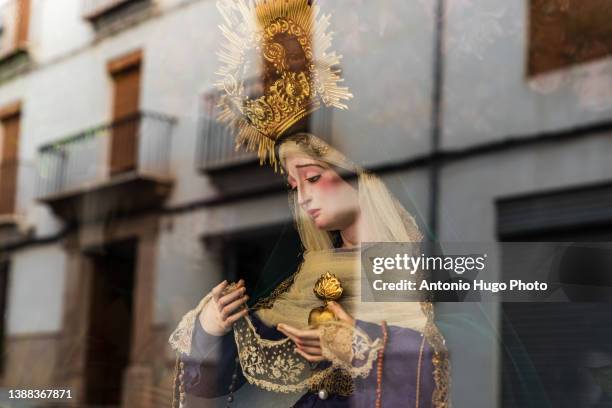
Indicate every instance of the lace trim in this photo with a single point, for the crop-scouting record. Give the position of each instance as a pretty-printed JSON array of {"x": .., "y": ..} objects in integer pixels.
[
  {"x": 274, "y": 366},
  {"x": 180, "y": 339},
  {"x": 345, "y": 345}
]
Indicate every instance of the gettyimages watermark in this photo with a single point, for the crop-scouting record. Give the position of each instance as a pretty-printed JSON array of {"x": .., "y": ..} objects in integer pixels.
[{"x": 480, "y": 272}]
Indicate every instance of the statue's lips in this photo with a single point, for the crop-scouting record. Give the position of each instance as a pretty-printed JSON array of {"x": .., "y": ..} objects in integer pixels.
[{"x": 314, "y": 213}]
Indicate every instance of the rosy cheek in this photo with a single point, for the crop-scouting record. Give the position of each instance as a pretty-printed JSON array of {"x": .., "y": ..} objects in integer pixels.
[
  {"x": 329, "y": 183},
  {"x": 325, "y": 196}
]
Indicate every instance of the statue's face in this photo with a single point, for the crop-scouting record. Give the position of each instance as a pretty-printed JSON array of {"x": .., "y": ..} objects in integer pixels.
[{"x": 330, "y": 201}]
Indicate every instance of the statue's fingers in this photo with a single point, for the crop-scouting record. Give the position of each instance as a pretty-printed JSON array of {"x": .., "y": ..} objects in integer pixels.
[
  {"x": 230, "y": 297},
  {"x": 340, "y": 313},
  {"x": 305, "y": 334},
  {"x": 236, "y": 316},
  {"x": 218, "y": 290},
  {"x": 310, "y": 342},
  {"x": 300, "y": 341},
  {"x": 313, "y": 351},
  {"x": 312, "y": 359},
  {"x": 229, "y": 309},
  {"x": 295, "y": 339}
]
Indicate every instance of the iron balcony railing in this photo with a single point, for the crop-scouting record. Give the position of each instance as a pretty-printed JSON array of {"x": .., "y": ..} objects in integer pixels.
[
  {"x": 14, "y": 26},
  {"x": 137, "y": 144},
  {"x": 17, "y": 179},
  {"x": 217, "y": 142},
  {"x": 216, "y": 147}
]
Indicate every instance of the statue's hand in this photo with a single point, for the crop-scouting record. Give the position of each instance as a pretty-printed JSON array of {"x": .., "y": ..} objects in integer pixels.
[
  {"x": 224, "y": 309},
  {"x": 307, "y": 341},
  {"x": 340, "y": 313}
]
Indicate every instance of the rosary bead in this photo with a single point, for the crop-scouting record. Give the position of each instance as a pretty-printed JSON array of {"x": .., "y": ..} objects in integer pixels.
[{"x": 379, "y": 366}]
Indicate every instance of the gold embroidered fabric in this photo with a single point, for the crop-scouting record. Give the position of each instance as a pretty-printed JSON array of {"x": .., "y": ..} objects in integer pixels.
[{"x": 440, "y": 359}]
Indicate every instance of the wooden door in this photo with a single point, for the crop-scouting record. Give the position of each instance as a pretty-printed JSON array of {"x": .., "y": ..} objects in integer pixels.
[
  {"x": 124, "y": 134},
  {"x": 4, "y": 277},
  {"x": 110, "y": 323},
  {"x": 8, "y": 163}
]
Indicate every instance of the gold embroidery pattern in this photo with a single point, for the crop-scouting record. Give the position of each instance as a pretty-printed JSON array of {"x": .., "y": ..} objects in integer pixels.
[
  {"x": 268, "y": 301},
  {"x": 313, "y": 145},
  {"x": 337, "y": 382},
  {"x": 440, "y": 359}
]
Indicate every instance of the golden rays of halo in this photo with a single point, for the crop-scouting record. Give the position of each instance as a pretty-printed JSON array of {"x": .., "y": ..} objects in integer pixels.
[{"x": 250, "y": 25}]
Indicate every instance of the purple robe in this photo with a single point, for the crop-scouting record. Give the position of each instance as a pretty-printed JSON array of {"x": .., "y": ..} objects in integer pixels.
[{"x": 399, "y": 382}]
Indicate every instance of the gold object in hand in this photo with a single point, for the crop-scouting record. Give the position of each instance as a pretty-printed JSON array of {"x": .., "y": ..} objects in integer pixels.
[{"x": 328, "y": 287}]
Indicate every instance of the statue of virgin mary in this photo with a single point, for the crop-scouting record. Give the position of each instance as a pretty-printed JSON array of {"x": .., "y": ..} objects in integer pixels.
[{"x": 309, "y": 335}]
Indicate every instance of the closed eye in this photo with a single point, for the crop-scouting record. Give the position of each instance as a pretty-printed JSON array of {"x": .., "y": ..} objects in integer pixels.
[{"x": 313, "y": 179}]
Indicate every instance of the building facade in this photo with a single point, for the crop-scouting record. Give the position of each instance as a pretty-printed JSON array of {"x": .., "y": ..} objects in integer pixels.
[{"x": 122, "y": 201}]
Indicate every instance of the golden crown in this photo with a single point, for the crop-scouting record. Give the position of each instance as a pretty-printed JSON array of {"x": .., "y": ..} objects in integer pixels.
[{"x": 297, "y": 73}]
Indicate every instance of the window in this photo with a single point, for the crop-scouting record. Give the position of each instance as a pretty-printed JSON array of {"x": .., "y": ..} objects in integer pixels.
[
  {"x": 567, "y": 32},
  {"x": 95, "y": 8},
  {"x": 14, "y": 26},
  {"x": 109, "y": 16},
  {"x": 125, "y": 72},
  {"x": 263, "y": 257},
  {"x": 9, "y": 152},
  {"x": 553, "y": 352}
]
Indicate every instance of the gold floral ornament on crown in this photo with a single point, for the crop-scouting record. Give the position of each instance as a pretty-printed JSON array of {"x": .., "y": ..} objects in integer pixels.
[{"x": 299, "y": 73}]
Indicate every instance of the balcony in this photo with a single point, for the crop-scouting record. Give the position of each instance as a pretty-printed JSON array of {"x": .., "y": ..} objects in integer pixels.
[
  {"x": 108, "y": 16},
  {"x": 16, "y": 194},
  {"x": 216, "y": 148},
  {"x": 231, "y": 171},
  {"x": 112, "y": 169},
  {"x": 14, "y": 27}
]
